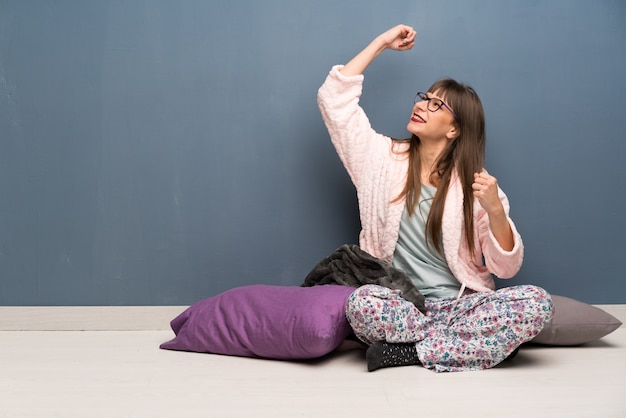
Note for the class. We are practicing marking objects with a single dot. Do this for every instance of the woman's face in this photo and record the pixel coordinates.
(432, 125)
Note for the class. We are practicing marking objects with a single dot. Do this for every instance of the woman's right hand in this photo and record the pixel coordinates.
(398, 38)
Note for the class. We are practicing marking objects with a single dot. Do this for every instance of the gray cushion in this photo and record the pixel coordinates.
(576, 323)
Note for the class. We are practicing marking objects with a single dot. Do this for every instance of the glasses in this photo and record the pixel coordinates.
(432, 104)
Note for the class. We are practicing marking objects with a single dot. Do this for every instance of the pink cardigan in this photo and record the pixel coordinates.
(378, 170)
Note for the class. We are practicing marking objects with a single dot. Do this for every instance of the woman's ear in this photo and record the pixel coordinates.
(454, 132)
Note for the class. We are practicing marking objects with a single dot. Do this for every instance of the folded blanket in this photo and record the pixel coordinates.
(351, 266)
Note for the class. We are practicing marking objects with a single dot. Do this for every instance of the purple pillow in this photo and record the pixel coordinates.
(277, 322)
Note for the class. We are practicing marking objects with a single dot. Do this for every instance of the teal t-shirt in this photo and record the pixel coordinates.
(427, 268)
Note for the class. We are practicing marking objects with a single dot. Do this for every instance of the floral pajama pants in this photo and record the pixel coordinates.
(475, 332)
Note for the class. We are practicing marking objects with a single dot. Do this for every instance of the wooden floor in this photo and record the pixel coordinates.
(124, 374)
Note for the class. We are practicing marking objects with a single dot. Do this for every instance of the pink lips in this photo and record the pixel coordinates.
(417, 118)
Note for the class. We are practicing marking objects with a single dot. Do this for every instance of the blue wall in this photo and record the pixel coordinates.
(159, 152)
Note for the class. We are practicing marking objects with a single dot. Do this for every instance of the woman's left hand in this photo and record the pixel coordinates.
(485, 189)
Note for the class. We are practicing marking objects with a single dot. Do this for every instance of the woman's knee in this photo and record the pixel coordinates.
(377, 313)
(539, 301)
(532, 308)
(535, 297)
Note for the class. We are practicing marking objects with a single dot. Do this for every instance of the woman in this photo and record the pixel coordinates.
(428, 207)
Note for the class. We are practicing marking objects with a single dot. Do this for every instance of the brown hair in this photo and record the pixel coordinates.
(465, 153)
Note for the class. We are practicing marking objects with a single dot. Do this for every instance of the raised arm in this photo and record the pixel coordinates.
(398, 38)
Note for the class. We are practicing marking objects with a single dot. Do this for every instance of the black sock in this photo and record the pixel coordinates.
(382, 354)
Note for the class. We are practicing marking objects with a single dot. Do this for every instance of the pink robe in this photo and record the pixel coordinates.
(378, 170)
